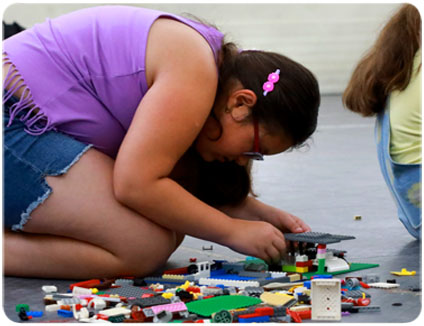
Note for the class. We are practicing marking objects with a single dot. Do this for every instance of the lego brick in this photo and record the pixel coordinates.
(254, 274)
(253, 290)
(304, 263)
(282, 279)
(234, 267)
(275, 299)
(289, 268)
(116, 311)
(382, 285)
(129, 291)
(177, 271)
(172, 307)
(148, 302)
(153, 279)
(355, 294)
(317, 237)
(295, 277)
(86, 284)
(326, 299)
(239, 284)
(302, 269)
(124, 282)
(207, 307)
(254, 319)
(223, 316)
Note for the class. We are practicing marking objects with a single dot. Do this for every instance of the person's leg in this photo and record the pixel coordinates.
(82, 231)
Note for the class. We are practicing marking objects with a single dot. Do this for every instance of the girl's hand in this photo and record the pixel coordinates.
(285, 221)
(256, 238)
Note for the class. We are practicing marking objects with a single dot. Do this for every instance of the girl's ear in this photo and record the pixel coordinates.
(240, 103)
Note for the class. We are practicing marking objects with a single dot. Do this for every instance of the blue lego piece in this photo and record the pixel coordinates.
(65, 313)
(35, 313)
(323, 276)
(217, 273)
(258, 319)
(307, 284)
(234, 277)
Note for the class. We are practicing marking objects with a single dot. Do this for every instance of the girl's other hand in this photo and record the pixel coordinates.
(256, 238)
(285, 221)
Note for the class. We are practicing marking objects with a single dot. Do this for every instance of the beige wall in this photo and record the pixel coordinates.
(327, 38)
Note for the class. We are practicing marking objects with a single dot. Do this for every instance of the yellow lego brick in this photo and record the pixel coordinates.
(294, 277)
(302, 269)
(275, 299)
(173, 277)
(167, 295)
(404, 272)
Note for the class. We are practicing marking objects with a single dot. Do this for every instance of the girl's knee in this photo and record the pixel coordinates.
(141, 259)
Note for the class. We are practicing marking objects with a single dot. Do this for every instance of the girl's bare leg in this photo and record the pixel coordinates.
(82, 231)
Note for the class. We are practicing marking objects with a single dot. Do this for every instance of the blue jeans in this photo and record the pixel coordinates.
(27, 160)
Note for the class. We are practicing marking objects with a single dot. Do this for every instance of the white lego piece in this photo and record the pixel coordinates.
(301, 258)
(239, 284)
(77, 290)
(204, 270)
(49, 288)
(81, 314)
(97, 303)
(277, 274)
(382, 285)
(326, 299)
(52, 307)
(335, 264)
(116, 312)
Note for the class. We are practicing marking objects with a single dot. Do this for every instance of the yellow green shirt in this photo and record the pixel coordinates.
(405, 119)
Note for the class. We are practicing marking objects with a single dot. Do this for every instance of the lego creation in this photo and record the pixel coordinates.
(308, 254)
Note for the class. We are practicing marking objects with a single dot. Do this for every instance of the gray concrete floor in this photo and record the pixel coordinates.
(327, 184)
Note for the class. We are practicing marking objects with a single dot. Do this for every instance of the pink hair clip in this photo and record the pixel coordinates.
(273, 77)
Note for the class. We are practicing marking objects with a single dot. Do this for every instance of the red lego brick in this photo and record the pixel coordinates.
(86, 284)
(265, 311)
(177, 271)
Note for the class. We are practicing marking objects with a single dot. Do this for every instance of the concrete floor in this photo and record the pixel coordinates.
(337, 178)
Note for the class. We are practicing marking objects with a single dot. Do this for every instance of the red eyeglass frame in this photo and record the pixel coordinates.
(256, 154)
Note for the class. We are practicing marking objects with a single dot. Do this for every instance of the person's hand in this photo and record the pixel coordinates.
(256, 238)
(285, 221)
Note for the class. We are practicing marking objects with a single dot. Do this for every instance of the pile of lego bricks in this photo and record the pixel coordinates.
(220, 292)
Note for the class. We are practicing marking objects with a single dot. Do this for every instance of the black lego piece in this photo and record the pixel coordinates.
(317, 237)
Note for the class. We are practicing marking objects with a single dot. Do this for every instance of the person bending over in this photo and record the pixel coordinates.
(127, 128)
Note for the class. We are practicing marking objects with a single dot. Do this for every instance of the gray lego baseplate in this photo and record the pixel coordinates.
(317, 237)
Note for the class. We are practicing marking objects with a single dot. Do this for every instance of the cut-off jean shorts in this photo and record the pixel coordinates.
(27, 160)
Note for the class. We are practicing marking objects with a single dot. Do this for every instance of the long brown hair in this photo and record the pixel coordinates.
(387, 66)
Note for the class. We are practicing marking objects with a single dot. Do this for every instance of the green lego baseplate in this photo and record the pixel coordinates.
(209, 306)
(353, 268)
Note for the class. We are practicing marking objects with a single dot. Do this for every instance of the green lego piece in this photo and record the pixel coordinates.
(22, 305)
(289, 268)
(353, 267)
(223, 316)
(209, 306)
(321, 266)
(116, 319)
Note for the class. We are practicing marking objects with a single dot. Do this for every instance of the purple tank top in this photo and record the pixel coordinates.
(86, 71)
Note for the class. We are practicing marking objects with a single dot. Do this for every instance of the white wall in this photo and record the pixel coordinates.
(329, 39)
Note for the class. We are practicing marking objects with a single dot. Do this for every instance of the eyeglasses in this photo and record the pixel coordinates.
(256, 154)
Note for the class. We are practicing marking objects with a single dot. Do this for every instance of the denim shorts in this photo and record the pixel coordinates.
(27, 160)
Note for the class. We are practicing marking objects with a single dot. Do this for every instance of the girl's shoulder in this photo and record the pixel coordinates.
(173, 43)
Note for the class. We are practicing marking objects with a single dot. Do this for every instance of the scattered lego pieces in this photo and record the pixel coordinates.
(225, 292)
